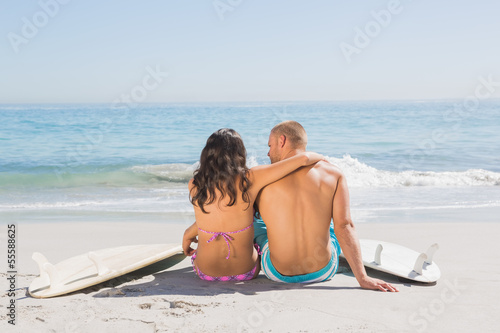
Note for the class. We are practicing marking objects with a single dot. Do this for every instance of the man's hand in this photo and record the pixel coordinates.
(313, 157)
(376, 284)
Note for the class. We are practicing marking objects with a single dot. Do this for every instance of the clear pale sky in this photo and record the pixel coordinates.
(262, 50)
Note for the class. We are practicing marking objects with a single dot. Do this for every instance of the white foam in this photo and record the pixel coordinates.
(48, 205)
(158, 204)
(361, 175)
(431, 207)
(252, 162)
(172, 172)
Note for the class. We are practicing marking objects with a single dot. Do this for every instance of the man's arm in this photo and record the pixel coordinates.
(348, 239)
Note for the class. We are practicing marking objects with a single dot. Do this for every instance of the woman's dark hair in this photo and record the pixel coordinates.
(222, 163)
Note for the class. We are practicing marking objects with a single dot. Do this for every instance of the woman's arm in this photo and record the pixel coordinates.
(263, 175)
(190, 236)
(191, 233)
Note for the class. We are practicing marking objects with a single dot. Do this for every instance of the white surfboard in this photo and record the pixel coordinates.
(95, 267)
(400, 261)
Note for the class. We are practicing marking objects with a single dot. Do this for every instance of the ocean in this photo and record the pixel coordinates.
(405, 161)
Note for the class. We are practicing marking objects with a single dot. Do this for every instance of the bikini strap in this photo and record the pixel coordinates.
(225, 235)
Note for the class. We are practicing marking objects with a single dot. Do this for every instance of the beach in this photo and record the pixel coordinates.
(174, 299)
(105, 109)
(80, 178)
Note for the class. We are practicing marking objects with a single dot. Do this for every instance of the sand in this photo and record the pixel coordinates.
(173, 299)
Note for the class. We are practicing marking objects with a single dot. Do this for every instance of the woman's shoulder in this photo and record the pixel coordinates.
(191, 186)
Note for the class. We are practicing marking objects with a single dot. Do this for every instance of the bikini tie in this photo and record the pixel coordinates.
(225, 235)
(226, 238)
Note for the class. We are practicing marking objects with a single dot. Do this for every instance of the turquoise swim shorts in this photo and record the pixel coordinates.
(267, 267)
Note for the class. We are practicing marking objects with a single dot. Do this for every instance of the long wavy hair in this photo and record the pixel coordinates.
(222, 165)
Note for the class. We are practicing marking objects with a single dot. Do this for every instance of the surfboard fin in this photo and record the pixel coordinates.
(378, 253)
(53, 274)
(99, 264)
(40, 261)
(419, 263)
(430, 252)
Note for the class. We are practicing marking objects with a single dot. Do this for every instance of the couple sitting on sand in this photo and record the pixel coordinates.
(297, 196)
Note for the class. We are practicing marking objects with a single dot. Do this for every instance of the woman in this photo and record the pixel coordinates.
(223, 191)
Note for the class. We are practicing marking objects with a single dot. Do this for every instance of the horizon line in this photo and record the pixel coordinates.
(250, 101)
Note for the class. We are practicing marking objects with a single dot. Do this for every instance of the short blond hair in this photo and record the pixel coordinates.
(293, 131)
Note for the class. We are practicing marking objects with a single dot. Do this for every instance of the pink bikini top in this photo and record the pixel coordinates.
(225, 235)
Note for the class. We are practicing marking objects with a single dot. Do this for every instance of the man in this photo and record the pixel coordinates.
(300, 245)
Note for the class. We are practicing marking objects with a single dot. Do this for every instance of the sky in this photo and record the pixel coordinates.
(70, 51)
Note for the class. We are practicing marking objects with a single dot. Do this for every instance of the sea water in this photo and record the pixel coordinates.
(405, 161)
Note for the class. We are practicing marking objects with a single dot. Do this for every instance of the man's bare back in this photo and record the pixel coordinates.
(297, 210)
(298, 244)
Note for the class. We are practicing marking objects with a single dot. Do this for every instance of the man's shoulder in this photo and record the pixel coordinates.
(328, 169)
